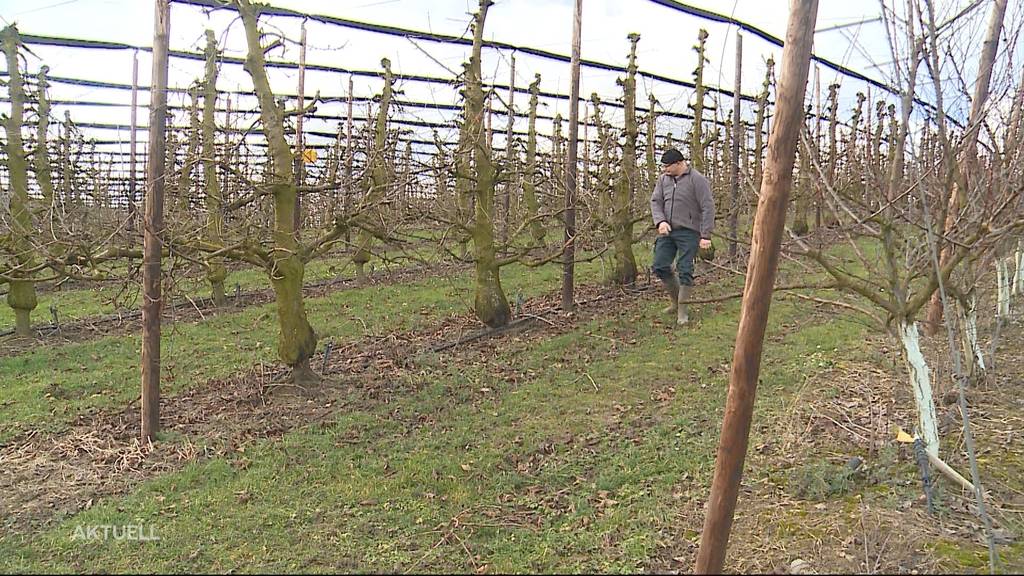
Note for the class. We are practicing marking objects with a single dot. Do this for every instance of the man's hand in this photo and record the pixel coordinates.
(664, 229)
(705, 243)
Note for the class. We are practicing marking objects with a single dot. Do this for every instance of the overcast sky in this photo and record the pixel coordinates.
(665, 48)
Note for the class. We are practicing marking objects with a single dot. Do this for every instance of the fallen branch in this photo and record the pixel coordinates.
(739, 294)
(950, 473)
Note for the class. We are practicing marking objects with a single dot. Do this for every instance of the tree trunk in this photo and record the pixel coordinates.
(831, 218)
(1019, 283)
(972, 348)
(802, 199)
(21, 296)
(652, 124)
(297, 340)
(920, 382)
(625, 269)
(42, 155)
(530, 181)
(697, 130)
(490, 303)
(958, 196)
(215, 271)
(1004, 288)
(760, 125)
(191, 155)
(380, 177)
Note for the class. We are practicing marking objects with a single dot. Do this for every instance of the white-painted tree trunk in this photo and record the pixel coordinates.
(1019, 277)
(971, 347)
(920, 381)
(1003, 281)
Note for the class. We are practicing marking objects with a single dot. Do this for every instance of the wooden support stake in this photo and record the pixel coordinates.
(300, 168)
(349, 157)
(154, 224)
(816, 153)
(585, 177)
(509, 150)
(569, 254)
(133, 206)
(736, 132)
(769, 223)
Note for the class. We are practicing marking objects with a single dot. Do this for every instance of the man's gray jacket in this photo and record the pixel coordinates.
(684, 202)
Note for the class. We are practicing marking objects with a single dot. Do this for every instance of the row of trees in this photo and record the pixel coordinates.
(856, 176)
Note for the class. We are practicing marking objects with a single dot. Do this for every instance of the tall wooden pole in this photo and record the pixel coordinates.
(569, 255)
(509, 150)
(736, 132)
(133, 206)
(225, 190)
(761, 269)
(349, 157)
(154, 224)
(585, 178)
(299, 158)
(490, 121)
(816, 152)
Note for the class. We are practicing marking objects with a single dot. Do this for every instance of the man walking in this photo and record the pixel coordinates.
(684, 214)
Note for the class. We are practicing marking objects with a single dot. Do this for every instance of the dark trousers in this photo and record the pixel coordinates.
(681, 244)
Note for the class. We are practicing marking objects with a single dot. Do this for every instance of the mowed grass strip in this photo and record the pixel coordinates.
(106, 298)
(48, 388)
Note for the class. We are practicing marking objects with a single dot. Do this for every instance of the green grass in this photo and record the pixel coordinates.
(47, 388)
(569, 453)
(550, 473)
(99, 300)
(102, 299)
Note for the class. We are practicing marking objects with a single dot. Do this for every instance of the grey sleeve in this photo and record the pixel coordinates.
(658, 204)
(707, 208)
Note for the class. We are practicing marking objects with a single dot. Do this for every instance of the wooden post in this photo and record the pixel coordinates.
(349, 156)
(509, 151)
(761, 269)
(652, 174)
(490, 121)
(568, 255)
(816, 153)
(225, 190)
(300, 171)
(736, 132)
(133, 207)
(585, 177)
(154, 224)
(868, 135)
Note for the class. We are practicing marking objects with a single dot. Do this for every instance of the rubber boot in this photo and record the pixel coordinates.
(672, 288)
(682, 315)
